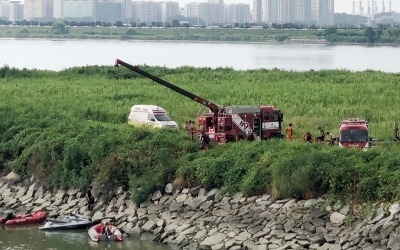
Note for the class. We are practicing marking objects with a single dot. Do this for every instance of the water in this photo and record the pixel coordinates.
(60, 54)
(31, 238)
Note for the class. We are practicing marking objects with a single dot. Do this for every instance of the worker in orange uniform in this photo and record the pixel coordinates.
(289, 132)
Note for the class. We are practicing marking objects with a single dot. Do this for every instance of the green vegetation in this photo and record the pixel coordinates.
(244, 35)
(330, 34)
(69, 129)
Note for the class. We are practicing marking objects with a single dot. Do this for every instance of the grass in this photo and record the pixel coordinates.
(69, 129)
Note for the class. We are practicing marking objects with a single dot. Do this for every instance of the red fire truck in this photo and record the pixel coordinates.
(353, 133)
(229, 123)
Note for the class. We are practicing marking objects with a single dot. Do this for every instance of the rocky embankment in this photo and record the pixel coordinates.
(195, 219)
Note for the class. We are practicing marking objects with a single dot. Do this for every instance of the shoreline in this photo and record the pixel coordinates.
(193, 218)
(296, 41)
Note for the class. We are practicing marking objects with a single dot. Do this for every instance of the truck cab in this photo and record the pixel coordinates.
(353, 133)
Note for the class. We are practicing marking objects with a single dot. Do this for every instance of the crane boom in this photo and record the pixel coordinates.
(213, 107)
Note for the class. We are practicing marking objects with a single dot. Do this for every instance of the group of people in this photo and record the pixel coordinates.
(308, 137)
(106, 227)
(190, 126)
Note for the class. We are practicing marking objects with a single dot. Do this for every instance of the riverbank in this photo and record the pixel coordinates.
(199, 219)
(275, 36)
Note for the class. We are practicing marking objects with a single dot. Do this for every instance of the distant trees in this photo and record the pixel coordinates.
(370, 34)
(59, 29)
(394, 32)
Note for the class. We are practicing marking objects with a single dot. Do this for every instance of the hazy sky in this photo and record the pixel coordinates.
(347, 5)
(340, 5)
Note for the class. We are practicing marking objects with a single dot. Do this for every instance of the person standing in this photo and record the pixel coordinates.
(321, 137)
(396, 132)
(289, 132)
(331, 138)
(205, 141)
(89, 199)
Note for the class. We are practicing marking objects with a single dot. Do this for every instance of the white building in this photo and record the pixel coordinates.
(38, 9)
(77, 9)
(320, 12)
(16, 11)
(237, 13)
(146, 12)
(168, 10)
(58, 9)
(4, 10)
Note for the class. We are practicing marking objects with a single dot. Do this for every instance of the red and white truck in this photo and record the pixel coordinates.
(354, 133)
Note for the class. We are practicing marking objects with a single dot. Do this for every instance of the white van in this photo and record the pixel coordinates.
(152, 116)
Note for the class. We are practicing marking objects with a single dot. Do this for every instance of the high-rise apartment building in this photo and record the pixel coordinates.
(192, 10)
(318, 12)
(210, 13)
(38, 9)
(257, 11)
(108, 10)
(58, 9)
(168, 10)
(126, 9)
(146, 12)
(322, 12)
(16, 11)
(269, 10)
(4, 10)
(237, 13)
(79, 10)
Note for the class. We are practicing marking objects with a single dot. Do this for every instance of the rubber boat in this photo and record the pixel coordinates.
(74, 221)
(24, 219)
(97, 233)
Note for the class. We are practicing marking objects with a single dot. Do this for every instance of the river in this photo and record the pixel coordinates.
(31, 238)
(60, 54)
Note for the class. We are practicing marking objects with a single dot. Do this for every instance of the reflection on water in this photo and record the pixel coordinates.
(31, 238)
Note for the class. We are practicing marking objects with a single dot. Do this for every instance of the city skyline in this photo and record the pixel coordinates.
(341, 6)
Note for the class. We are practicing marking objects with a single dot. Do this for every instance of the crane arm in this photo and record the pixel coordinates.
(213, 107)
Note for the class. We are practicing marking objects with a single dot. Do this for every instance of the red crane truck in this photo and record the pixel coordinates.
(230, 123)
(353, 133)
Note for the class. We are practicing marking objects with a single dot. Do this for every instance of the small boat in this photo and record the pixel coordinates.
(24, 219)
(74, 221)
(99, 233)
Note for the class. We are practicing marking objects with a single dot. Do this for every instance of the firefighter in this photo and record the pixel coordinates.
(192, 129)
(396, 132)
(331, 138)
(321, 137)
(187, 125)
(308, 137)
(204, 141)
(289, 132)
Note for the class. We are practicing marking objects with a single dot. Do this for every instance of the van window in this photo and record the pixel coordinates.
(162, 118)
(150, 116)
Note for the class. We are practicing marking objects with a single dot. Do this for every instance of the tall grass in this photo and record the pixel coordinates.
(69, 129)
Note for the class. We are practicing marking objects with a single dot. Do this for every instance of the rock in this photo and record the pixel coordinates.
(148, 226)
(156, 196)
(337, 218)
(181, 198)
(97, 217)
(12, 177)
(169, 188)
(213, 240)
(212, 194)
(197, 202)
